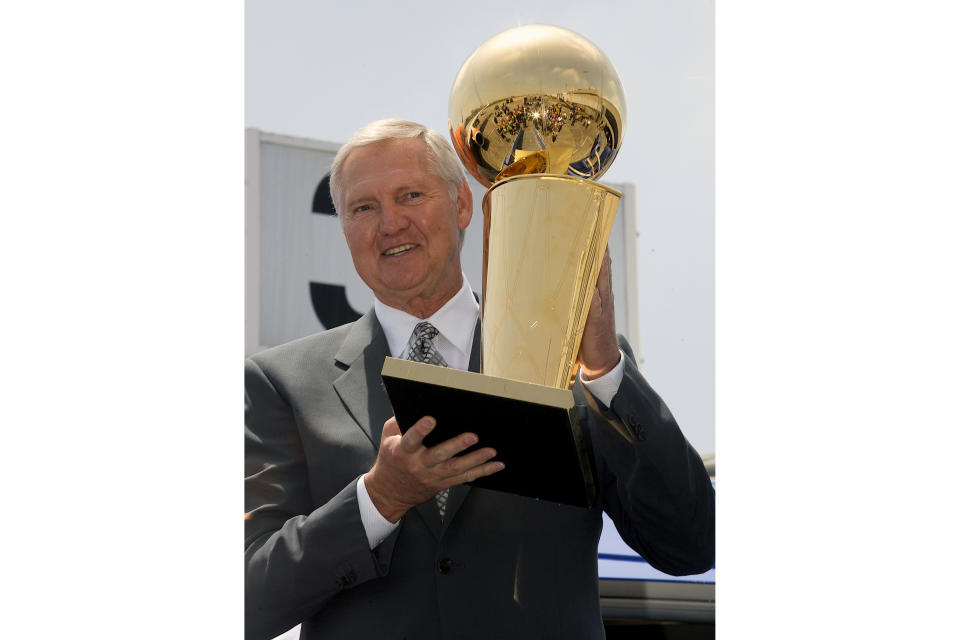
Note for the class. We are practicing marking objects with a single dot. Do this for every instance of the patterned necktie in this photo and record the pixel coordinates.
(421, 348)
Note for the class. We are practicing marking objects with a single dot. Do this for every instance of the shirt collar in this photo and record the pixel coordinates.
(455, 321)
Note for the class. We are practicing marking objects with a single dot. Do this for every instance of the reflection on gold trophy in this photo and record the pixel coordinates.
(536, 114)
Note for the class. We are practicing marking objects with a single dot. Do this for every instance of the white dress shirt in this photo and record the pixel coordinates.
(456, 321)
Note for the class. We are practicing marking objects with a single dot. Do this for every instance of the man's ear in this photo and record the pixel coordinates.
(464, 205)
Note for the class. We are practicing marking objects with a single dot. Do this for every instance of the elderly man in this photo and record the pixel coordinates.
(357, 531)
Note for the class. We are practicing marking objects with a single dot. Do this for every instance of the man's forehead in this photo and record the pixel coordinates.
(387, 164)
(399, 152)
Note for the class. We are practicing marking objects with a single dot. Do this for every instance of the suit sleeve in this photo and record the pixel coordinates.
(298, 555)
(653, 484)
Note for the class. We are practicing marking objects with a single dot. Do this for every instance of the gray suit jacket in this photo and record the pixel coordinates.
(498, 566)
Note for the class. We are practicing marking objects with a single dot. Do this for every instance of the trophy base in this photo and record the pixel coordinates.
(535, 429)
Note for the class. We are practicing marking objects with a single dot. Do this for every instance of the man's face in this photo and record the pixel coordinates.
(401, 225)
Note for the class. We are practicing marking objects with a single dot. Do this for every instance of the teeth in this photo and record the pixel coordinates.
(394, 251)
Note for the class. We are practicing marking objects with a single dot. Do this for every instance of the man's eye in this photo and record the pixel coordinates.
(361, 208)
(412, 195)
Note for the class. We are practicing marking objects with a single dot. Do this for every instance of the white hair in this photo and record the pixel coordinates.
(443, 159)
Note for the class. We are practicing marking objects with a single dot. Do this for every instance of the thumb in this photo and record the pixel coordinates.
(596, 302)
(390, 429)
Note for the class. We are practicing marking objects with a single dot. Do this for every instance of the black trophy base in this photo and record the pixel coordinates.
(534, 429)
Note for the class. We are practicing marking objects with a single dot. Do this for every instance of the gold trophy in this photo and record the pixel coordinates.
(536, 115)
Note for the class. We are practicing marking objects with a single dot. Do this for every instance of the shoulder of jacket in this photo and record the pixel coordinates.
(322, 346)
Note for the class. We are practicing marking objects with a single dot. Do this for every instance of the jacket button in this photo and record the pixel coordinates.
(634, 424)
(347, 579)
(445, 565)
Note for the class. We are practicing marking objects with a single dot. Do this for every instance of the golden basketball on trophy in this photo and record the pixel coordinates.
(536, 115)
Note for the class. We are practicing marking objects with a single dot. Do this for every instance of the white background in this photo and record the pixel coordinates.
(837, 346)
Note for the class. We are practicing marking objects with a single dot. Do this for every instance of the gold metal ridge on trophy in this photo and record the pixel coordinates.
(536, 114)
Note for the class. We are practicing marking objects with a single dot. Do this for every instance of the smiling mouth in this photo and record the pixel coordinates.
(395, 251)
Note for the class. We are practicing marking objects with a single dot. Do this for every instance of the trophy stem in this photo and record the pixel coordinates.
(543, 245)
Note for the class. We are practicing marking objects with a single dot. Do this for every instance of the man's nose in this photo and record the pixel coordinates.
(393, 219)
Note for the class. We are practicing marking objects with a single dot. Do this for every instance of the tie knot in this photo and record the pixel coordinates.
(422, 347)
(426, 331)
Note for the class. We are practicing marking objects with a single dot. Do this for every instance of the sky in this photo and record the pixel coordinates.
(321, 70)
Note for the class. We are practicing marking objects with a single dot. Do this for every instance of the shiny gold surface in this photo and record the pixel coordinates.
(544, 238)
(541, 95)
(538, 112)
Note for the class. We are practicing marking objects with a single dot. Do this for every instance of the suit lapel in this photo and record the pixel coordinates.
(475, 350)
(431, 515)
(360, 387)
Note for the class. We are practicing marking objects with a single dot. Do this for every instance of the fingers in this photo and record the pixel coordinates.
(440, 466)
(599, 351)
(477, 472)
(412, 440)
(448, 448)
(460, 464)
(605, 279)
(604, 288)
(601, 303)
(596, 306)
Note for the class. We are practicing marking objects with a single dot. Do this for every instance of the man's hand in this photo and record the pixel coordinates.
(599, 351)
(407, 473)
